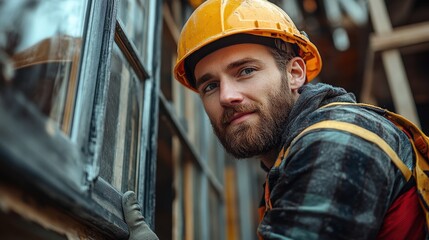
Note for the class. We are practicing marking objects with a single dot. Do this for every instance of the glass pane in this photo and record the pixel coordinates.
(44, 42)
(133, 14)
(122, 127)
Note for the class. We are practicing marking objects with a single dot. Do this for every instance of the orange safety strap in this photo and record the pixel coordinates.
(422, 181)
(420, 143)
(268, 204)
(263, 209)
(365, 134)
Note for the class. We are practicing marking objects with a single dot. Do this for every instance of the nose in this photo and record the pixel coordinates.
(230, 94)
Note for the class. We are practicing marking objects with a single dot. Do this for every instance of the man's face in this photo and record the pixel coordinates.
(246, 97)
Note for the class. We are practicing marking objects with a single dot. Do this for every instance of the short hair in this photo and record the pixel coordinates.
(283, 52)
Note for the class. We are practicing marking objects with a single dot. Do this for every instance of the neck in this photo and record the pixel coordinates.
(269, 158)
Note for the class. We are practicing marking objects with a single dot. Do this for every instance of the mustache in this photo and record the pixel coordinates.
(229, 112)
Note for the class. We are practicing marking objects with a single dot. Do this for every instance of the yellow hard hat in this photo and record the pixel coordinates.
(216, 23)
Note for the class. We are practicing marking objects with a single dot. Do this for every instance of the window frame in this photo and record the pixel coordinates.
(80, 192)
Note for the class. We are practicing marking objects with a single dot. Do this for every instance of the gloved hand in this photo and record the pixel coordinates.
(138, 228)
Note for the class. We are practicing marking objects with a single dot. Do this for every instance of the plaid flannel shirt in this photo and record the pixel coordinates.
(332, 184)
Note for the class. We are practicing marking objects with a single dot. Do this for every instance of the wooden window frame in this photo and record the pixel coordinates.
(63, 170)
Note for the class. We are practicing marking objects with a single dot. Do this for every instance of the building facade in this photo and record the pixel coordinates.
(89, 109)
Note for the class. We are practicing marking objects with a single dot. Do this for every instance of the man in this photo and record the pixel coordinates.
(250, 65)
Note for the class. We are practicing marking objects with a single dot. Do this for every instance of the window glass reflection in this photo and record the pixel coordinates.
(133, 14)
(122, 127)
(43, 40)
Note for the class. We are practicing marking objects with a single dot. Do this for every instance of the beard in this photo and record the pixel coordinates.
(251, 138)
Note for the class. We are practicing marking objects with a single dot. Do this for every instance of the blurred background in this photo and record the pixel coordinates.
(89, 109)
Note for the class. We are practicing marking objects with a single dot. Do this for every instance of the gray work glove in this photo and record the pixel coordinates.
(138, 228)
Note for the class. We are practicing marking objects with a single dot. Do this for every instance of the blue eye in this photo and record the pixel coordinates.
(210, 87)
(246, 71)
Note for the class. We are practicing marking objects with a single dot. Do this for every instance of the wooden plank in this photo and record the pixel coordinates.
(366, 94)
(380, 17)
(231, 200)
(175, 125)
(401, 37)
(19, 202)
(394, 67)
(399, 87)
(170, 23)
(189, 200)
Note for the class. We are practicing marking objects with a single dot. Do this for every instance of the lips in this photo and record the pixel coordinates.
(236, 116)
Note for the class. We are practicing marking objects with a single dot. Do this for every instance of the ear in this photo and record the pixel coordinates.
(296, 70)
